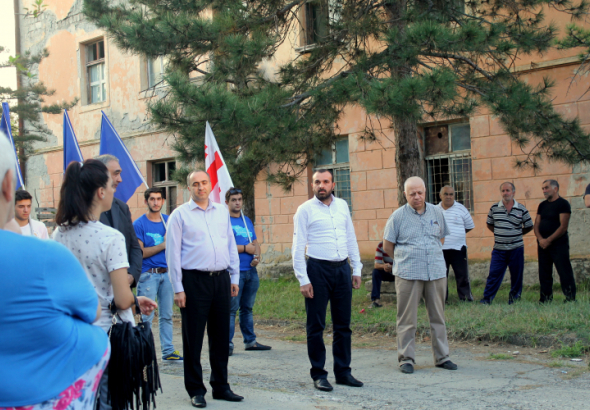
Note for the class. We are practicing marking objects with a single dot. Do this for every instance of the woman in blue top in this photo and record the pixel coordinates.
(51, 356)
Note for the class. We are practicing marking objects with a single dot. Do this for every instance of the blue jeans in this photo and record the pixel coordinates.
(249, 284)
(513, 260)
(158, 286)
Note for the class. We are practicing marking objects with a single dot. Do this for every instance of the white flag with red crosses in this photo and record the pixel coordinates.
(215, 165)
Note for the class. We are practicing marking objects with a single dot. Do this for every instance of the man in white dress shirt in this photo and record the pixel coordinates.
(200, 251)
(460, 222)
(22, 214)
(323, 224)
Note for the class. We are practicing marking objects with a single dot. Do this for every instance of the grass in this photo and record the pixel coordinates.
(500, 356)
(576, 350)
(524, 323)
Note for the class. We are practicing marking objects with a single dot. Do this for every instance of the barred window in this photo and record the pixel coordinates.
(336, 159)
(448, 162)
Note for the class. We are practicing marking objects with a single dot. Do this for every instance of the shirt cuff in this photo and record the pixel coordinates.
(178, 287)
(235, 279)
(304, 281)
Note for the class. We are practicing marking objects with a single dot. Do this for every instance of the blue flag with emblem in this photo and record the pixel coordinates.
(110, 143)
(71, 148)
(6, 129)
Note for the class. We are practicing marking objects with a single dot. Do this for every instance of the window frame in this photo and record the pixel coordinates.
(149, 68)
(100, 61)
(335, 166)
(167, 184)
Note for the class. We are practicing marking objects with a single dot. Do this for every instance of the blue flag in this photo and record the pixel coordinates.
(71, 148)
(6, 129)
(110, 143)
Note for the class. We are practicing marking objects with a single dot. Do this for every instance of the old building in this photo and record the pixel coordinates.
(474, 154)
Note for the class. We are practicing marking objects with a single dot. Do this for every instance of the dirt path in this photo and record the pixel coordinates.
(279, 379)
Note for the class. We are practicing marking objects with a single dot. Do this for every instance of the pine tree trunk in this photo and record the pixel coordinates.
(408, 160)
(248, 205)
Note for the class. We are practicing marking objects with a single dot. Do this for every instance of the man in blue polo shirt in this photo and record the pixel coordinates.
(154, 281)
(249, 253)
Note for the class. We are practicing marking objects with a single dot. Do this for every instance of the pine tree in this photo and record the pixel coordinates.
(405, 61)
(27, 105)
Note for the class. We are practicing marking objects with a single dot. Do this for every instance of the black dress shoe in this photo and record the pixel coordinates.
(323, 385)
(199, 401)
(448, 365)
(407, 368)
(348, 380)
(227, 395)
(258, 346)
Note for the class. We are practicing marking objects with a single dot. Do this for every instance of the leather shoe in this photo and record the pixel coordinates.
(407, 368)
(348, 380)
(323, 385)
(258, 346)
(448, 365)
(227, 395)
(199, 401)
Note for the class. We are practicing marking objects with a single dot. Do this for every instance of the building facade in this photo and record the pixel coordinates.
(473, 154)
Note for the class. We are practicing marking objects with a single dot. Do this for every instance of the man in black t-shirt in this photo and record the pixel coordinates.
(551, 224)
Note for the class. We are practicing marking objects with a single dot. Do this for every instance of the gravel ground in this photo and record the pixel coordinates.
(279, 379)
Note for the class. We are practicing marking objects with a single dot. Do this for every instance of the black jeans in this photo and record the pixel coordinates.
(331, 283)
(458, 260)
(207, 304)
(380, 276)
(558, 255)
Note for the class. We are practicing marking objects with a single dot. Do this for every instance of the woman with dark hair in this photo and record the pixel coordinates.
(86, 192)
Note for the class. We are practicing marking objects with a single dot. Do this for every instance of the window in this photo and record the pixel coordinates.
(155, 71)
(336, 159)
(448, 162)
(317, 17)
(96, 78)
(162, 178)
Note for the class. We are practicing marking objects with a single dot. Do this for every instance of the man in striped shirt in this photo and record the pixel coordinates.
(381, 273)
(509, 221)
(460, 222)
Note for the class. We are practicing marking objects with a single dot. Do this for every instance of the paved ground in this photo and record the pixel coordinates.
(279, 379)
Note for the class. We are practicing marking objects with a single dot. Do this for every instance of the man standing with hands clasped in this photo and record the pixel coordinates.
(323, 224)
(249, 251)
(414, 234)
(200, 251)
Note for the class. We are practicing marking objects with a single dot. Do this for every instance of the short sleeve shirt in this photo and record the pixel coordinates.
(151, 234)
(100, 250)
(241, 234)
(508, 225)
(550, 218)
(458, 219)
(418, 251)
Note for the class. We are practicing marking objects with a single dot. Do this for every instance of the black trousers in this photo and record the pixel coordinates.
(380, 276)
(558, 255)
(207, 304)
(458, 260)
(331, 281)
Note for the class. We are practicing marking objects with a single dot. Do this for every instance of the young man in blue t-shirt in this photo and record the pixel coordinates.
(249, 253)
(154, 281)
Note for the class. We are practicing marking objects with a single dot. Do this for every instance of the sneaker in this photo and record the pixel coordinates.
(173, 357)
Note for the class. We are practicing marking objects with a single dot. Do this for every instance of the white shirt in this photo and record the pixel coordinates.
(458, 219)
(100, 250)
(200, 239)
(328, 232)
(35, 228)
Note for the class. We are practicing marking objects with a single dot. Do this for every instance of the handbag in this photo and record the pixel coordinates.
(133, 368)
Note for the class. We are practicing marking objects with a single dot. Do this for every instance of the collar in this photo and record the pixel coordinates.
(321, 203)
(193, 205)
(501, 204)
(441, 207)
(413, 211)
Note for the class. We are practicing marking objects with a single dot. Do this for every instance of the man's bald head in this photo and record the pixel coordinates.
(415, 192)
(414, 182)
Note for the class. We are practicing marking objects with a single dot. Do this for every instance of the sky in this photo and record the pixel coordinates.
(7, 75)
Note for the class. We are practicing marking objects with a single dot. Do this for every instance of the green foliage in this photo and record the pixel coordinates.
(576, 350)
(231, 62)
(500, 356)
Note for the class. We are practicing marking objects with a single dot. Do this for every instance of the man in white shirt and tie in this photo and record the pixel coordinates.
(200, 251)
(324, 225)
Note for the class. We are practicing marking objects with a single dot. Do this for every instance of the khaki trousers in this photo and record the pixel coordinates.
(409, 293)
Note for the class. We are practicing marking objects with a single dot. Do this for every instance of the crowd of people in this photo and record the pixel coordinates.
(203, 258)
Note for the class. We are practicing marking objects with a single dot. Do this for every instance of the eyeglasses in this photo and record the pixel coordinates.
(235, 191)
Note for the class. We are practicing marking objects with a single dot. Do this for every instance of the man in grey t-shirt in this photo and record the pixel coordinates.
(413, 235)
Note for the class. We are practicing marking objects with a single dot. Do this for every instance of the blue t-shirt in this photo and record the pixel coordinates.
(151, 234)
(47, 306)
(241, 235)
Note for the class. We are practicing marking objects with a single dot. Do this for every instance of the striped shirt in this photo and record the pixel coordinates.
(459, 219)
(418, 252)
(508, 226)
(381, 256)
(328, 233)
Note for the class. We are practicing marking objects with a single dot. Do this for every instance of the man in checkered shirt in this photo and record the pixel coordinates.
(414, 235)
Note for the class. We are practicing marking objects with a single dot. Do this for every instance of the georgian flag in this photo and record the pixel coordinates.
(215, 165)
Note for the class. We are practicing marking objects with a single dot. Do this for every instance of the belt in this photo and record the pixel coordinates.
(157, 270)
(203, 272)
(329, 263)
